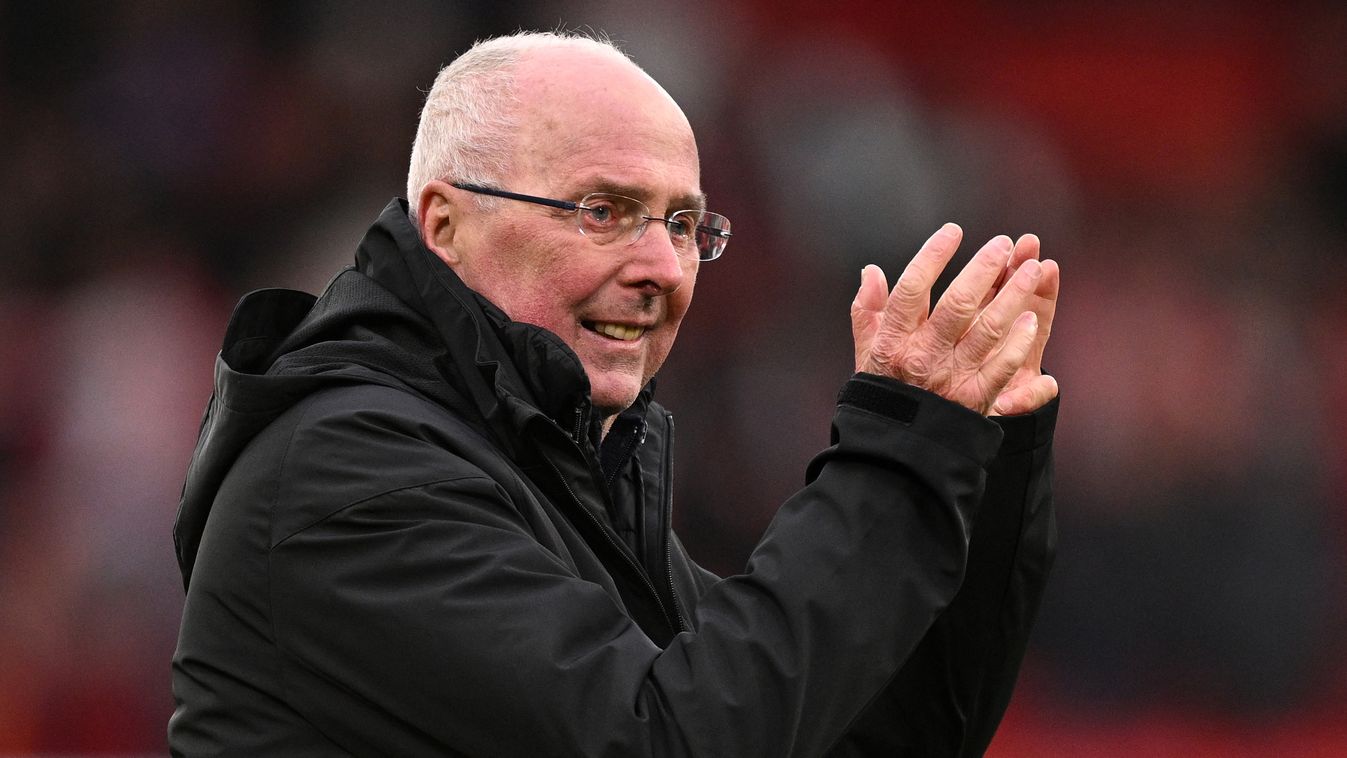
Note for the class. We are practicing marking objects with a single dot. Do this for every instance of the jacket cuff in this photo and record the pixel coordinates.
(925, 413)
(1029, 430)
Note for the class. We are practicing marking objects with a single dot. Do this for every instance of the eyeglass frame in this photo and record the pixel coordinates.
(571, 205)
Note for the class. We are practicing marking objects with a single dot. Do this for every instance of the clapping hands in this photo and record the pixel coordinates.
(982, 345)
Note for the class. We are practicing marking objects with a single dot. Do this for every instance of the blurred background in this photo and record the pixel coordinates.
(1186, 163)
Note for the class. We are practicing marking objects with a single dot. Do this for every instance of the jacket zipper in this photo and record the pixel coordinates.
(620, 549)
(635, 441)
(579, 425)
(667, 531)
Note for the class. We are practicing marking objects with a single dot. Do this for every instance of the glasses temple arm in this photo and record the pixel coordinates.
(479, 189)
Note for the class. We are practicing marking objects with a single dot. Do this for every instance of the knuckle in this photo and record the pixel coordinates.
(908, 289)
(918, 368)
(883, 355)
(990, 332)
(961, 301)
(860, 317)
(992, 260)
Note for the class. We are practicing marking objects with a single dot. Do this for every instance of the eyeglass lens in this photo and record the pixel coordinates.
(608, 218)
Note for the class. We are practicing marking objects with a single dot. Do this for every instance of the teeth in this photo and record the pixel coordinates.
(619, 331)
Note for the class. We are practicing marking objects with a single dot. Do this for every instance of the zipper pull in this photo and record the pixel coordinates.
(579, 425)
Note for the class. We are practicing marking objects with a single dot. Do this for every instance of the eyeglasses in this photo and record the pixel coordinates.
(607, 219)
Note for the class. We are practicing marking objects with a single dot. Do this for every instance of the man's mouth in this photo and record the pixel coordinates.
(616, 331)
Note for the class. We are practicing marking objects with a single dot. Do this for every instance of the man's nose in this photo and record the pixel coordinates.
(654, 262)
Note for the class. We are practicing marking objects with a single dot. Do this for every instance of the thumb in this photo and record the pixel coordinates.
(1027, 397)
(867, 310)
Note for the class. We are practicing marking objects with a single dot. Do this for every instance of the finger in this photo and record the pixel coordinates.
(874, 289)
(991, 326)
(1045, 305)
(959, 305)
(1045, 295)
(867, 310)
(1026, 398)
(1026, 248)
(1002, 365)
(910, 301)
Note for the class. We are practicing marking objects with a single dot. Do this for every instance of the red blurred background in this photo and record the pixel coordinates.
(1185, 164)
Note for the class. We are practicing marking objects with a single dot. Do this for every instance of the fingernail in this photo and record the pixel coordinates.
(1004, 242)
(1033, 267)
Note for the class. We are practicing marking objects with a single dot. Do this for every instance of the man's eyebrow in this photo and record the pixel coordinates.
(677, 203)
(697, 201)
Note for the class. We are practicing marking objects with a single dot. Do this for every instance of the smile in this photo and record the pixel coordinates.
(616, 331)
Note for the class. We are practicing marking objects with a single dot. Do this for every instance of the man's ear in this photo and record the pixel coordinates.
(438, 217)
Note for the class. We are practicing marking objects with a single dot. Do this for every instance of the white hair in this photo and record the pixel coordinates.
(469, 123)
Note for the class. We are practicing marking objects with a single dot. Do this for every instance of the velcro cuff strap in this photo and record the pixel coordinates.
(869, 395)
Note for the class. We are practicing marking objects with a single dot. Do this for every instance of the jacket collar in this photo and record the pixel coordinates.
(511, 371)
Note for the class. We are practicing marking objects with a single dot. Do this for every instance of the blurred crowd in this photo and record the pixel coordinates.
(1185, 163)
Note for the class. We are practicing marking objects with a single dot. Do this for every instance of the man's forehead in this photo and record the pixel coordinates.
(594, 122)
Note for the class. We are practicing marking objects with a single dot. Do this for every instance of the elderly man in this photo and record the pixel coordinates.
(429, 511)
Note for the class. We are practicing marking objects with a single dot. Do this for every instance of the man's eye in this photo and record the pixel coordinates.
(680, 227)
(600, 214)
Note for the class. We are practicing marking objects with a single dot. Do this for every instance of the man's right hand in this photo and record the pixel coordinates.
(963, 351)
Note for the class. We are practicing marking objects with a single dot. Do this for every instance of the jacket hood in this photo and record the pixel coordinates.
(400, 318)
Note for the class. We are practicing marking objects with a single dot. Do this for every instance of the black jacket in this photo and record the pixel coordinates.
(400, 536)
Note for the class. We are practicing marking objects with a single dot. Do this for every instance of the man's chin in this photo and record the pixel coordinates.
(611, 398)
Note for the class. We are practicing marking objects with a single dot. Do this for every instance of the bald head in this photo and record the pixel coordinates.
(480, 104)
(574, 106)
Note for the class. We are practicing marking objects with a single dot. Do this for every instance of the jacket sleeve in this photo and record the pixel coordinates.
(949, 697)
(429, 620)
